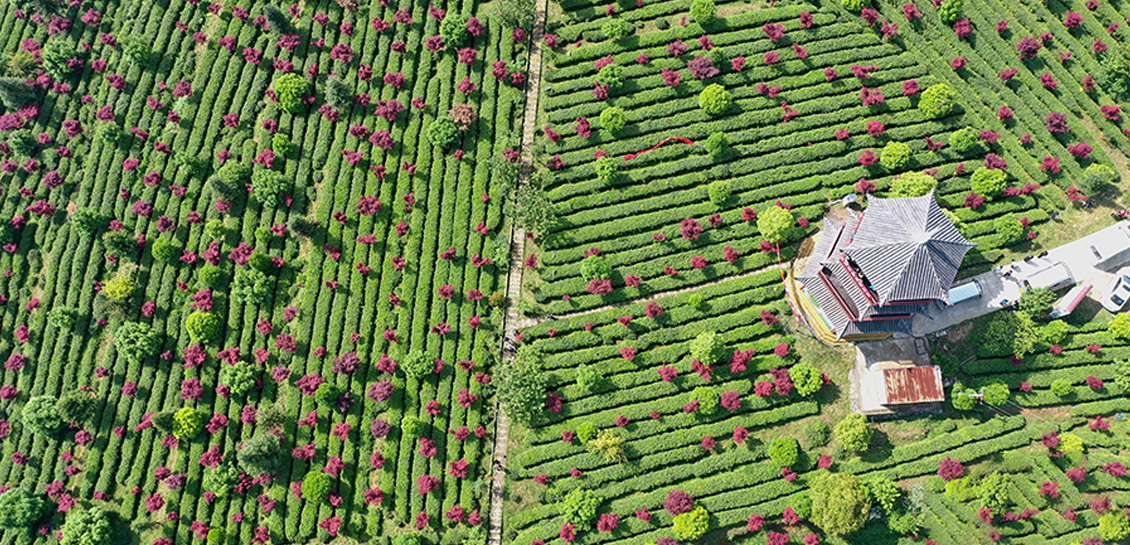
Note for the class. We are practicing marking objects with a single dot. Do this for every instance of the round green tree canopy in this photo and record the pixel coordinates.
(843, 503)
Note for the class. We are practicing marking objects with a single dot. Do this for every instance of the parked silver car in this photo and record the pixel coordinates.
(1117, 293)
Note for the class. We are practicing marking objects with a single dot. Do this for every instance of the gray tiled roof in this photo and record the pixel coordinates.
(908, 248)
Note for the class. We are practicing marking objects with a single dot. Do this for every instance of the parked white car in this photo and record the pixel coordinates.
(1117, 293)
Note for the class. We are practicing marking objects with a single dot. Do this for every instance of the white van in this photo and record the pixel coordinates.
(1112, 251)
(1053, 277)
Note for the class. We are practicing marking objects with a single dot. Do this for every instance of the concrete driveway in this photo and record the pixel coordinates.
(998, 289)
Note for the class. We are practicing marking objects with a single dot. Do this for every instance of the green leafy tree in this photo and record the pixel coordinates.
(993, 491)
(613, 119)
(165, 249)
(595, 266)
(442, 132)
(41, 415)
(1095, 177)
(1114, 526)
(611, 75)
(203, 326)
(235, 175)
(938, 100)
(588, 377)
(316, 487)
(239, 378)
(417, 364)
(19, 508)
(277, 22)
(260, 454)
(210, 275)
(1062, 387)
(587, 430)
(268, 185)
(271, 416)
(1008, 230)
(533, 210)
(411, 426)
(1007, 334)
(843, 503)
(119, 242)
(607, 170)
(453, 29)
(137, 48)
(56, 53)
(222, 480)
(408, 538)
(962, 398)
(714, 99)
(707, 398)
(88, 527)
(522, 384)
(1037, 302)
(708, 348)
(884, 492)
(15, 92)
(912, 184)
(717, 145)
(951, 10)
(23, 143)
(615, 28)
(988, 182)
(519, 13)
(250, 286)
(77, 405)
(1119, 326)
(327, 394)
(1114, 76)
(854, 432)
(806, 378)
(187, 423)
(895, 155)
(88, 221)
(719, 191)
(281, 143)
(965, 140)
(784, 451)
(119, 288)
(691, 525)
(290, 90)
(995, 393)
(109, 132)
(164, 422)
(855, 5)
(62, 318)
(775, 223)
(608, 445)
(1054, 332)
(579, 508)
(703, 12)
(136, 341)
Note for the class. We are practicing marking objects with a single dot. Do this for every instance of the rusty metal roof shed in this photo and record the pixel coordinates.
(906, 385)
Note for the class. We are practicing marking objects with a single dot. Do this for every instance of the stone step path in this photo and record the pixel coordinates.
(513, 321)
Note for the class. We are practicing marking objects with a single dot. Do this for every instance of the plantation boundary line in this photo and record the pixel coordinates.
(514, 275)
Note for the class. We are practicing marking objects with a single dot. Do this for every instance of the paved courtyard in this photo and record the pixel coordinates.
(1000, 291)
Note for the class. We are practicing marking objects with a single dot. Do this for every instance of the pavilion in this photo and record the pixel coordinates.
(869, 275)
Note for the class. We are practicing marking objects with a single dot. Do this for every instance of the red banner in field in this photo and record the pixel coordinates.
(665, 140)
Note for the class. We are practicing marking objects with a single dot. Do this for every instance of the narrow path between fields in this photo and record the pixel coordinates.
(514, 276)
